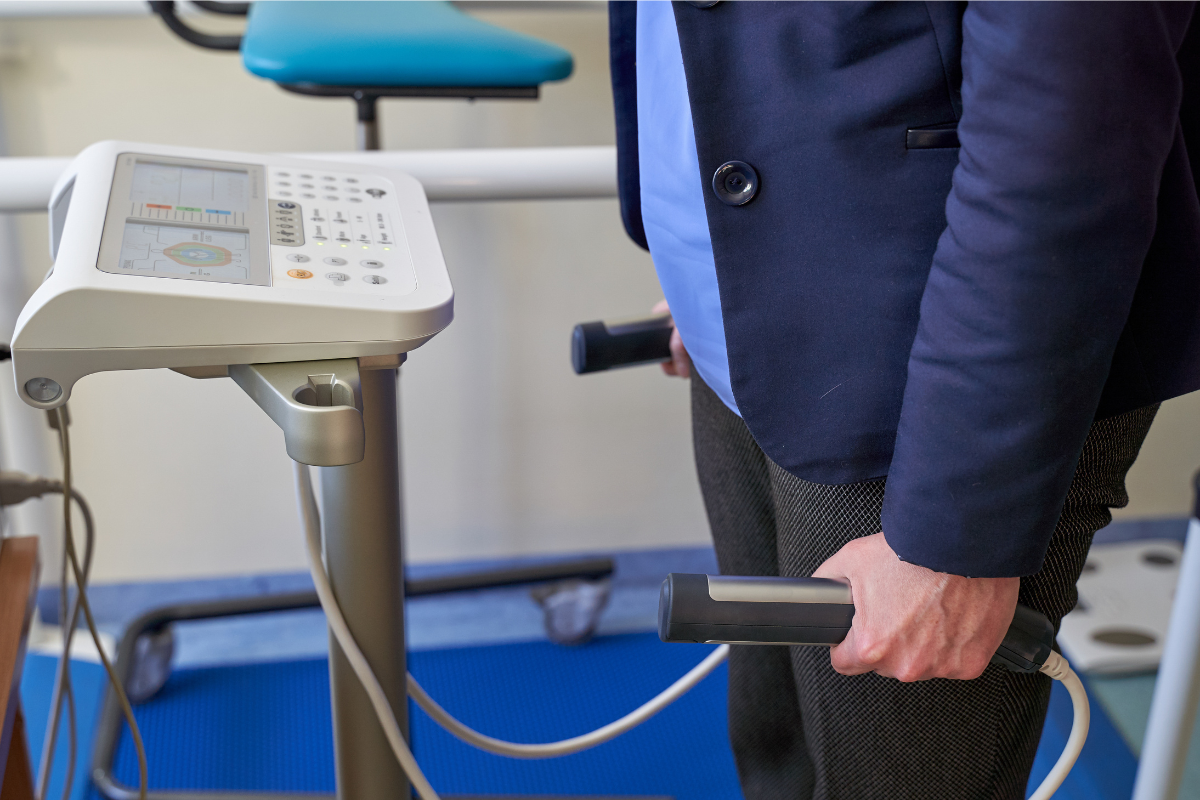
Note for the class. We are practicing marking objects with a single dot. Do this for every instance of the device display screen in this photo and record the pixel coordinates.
(188, 189)
(187, 218)
(175, 250)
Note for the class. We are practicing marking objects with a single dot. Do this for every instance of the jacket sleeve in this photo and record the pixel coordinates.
(1069, 114)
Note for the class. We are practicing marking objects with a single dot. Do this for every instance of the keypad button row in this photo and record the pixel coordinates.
(334, 261)
(308, 177)
(338, 278)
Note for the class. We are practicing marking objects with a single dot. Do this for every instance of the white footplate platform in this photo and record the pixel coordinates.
(1125, 596)
(191, 259)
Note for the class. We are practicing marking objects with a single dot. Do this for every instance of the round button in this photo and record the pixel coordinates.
(308, 196)
(43, 390)
(298, 258)
(372, 264)
(306, 186)
(353, 189)
(334, 261)
(331, 197)
(375, 279)
(735, 183)
(376, 193)
(302, 274)
(337, 277)
(285, 194)
(286, 205)
(284, 174)
(351, 180)
(329, 188)
(307, 177)
(283, 183)
(354, 199)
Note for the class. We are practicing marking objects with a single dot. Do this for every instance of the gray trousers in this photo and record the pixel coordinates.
(801, 731)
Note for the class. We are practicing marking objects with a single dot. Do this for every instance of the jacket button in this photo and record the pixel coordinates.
(702, 3)
(735, 183)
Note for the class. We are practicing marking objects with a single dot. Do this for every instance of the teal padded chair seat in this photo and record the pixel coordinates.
(392, 44)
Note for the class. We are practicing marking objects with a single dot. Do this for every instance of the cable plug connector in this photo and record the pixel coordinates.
(1056, 667)
(17, 487)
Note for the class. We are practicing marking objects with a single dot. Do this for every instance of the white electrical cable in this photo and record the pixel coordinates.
(1056, 667)
(307, 501)
(312, 528)
(577, 743)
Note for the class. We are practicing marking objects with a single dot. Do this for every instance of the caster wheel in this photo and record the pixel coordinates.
(152, 654)
(572, 608)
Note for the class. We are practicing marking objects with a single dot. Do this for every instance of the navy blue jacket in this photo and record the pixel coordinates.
(951, 311)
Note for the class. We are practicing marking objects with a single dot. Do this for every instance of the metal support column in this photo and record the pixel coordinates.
(362, 532)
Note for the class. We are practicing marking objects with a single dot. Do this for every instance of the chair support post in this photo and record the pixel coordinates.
(368, 122)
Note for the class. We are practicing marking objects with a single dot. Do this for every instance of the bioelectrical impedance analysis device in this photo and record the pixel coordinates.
(198, 259)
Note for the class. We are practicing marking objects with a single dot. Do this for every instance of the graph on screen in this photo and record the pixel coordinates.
(187, 188)
(183, 252)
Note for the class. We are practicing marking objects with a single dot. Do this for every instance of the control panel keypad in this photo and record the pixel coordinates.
(348, 224)
(287, 228)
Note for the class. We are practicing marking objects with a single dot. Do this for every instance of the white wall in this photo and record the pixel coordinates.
(1160, 483)
(506, 452)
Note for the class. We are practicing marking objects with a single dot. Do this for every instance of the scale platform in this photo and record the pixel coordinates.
(1125, 596)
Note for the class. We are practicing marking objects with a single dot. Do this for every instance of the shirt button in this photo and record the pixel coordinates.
(735, 183)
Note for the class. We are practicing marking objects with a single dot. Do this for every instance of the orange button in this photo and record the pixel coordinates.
(299, 273)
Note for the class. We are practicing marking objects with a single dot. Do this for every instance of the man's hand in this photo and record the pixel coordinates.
(680, 364)
(911, 623)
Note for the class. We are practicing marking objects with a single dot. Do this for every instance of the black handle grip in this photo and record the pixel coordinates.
(597, 346)
(693, 608)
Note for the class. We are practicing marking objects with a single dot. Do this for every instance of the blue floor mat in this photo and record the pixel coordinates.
(266, 726)
(37, 685)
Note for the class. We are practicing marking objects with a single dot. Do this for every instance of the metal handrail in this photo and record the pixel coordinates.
(483, 174)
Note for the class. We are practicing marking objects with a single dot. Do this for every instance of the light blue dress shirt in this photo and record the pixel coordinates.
(673, 197)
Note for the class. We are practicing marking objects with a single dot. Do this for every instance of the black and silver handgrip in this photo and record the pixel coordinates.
(737, 610)
(597, 346)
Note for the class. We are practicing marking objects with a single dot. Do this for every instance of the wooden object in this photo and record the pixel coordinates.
(18, 589)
